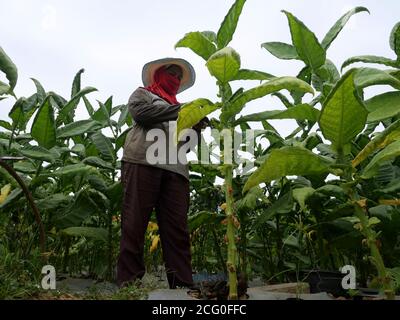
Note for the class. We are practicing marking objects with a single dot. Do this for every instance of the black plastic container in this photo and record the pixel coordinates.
(325, 281)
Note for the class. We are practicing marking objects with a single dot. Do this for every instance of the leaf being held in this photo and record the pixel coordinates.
(191, 113)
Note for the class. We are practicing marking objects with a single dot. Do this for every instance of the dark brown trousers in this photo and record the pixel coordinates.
(147, 188)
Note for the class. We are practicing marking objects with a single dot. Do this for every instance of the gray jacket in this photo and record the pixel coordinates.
(149, 111)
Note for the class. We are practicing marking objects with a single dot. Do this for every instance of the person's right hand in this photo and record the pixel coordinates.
(203, 123)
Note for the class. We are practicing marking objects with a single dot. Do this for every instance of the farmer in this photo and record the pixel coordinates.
(163, 186)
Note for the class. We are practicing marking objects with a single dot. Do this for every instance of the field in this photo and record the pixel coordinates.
(322, 198)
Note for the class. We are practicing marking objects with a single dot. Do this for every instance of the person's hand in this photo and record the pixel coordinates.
(204, 123)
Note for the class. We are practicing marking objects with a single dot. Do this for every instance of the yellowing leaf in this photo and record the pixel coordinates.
(362, 203)
(152, 226)
(4, 192)
(154, 243)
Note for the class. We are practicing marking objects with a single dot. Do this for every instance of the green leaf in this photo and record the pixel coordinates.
(306, 43)
(210, 35)
(343, 114)
(119, 143)
(383, 106)
(54, 201)
(76, 84)
(13, 196)
(338, 26)
(287, 161)
(41, 93)
(5, 125)
(371, 59)
(299, 112)
(389, 135)
(301, 195)
(99, 234)
(88, 106)
(390, 152)
(123, 115)
(245, 74)
(274, 85)
(281, 206)
(332, 191)
(38, 153)
(22, 111)
(25, 167)
(97, 162)
(97, 182)
(72, 169)
(77, 128)
(224, 64)
(105, 112)
(249, 201)
(4, 88)
(43, 126)
(305, 74)
(366, 77)
(281, 50)
(9, 68)
(395, 40)
(114, 192)
(81, 208)
(285, 101)
(228, 26)
(198, 43)
(104, 145)
(200, 219)
(73, 103)
(57, 101)
(325, 77)
(191, 113)
(79, 149)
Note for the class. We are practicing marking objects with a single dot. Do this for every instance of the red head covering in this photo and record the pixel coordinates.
(165, 85)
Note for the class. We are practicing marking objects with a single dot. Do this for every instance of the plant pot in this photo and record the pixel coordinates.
(325, 281)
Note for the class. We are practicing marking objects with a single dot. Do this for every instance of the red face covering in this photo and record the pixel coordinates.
(165, 85)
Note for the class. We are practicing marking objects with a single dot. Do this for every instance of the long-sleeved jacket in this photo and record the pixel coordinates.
(150, 112)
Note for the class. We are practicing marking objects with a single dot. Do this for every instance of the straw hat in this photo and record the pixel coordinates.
(188, 75)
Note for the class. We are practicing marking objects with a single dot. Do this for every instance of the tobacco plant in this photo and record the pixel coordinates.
(224, 64)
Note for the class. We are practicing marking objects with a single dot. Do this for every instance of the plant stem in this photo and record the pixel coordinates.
(230, 234)
(370, 235)
(42, 235)
(366, 228)
(218, 250)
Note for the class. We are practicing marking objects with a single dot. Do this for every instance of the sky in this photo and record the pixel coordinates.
(50, 40)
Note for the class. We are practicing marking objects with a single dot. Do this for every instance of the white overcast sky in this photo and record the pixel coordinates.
(51, 40)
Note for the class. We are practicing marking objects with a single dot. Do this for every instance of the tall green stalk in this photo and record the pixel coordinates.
(366, 229)
(370, 235)
(230, 234)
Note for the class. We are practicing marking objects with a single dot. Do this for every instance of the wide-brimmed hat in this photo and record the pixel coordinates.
(188, 73)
